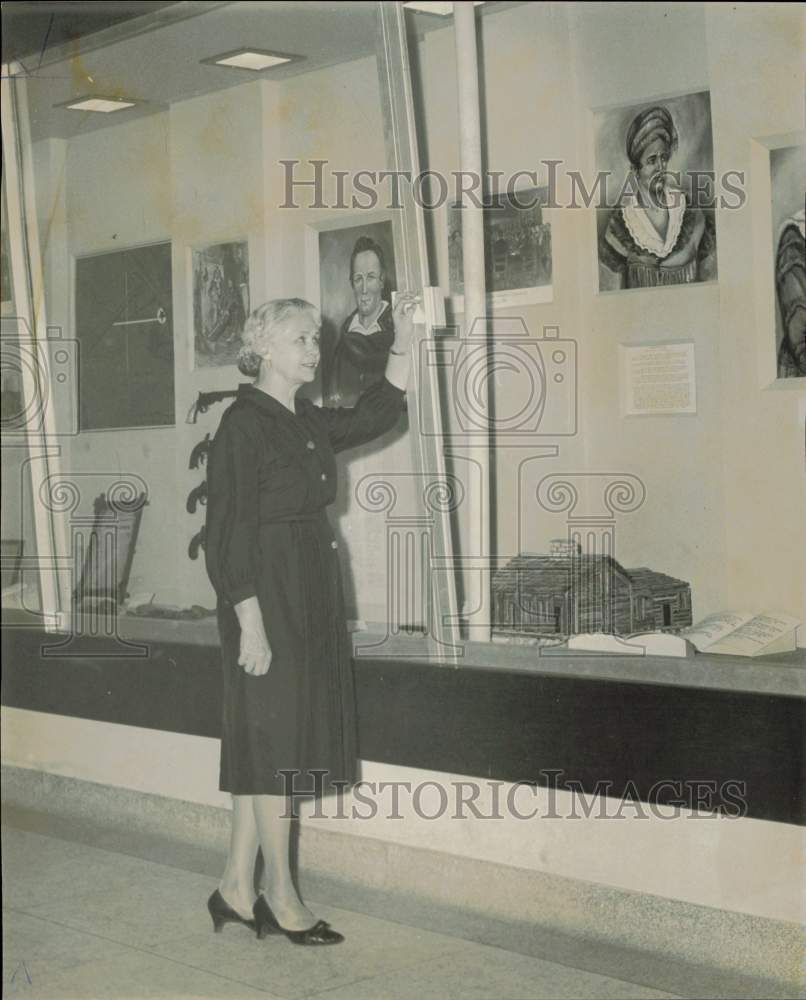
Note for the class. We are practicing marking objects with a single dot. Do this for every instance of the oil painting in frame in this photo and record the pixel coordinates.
(655, 218)
(220, 290)
(518, 250)
(349, 299)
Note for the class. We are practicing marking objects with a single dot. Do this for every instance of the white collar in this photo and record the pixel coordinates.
(641, 228)
(356, 326)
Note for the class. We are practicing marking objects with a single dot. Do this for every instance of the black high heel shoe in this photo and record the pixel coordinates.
(222, 913)
(266, 923)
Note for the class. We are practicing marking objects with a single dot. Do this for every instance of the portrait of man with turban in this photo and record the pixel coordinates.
(656, 235)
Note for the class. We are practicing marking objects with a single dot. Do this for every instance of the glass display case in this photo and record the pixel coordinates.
(575, 452)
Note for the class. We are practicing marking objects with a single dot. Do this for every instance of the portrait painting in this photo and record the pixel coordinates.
(788, 195)
(220, 302)
(356, 281)
(655, 210)
(517, 249)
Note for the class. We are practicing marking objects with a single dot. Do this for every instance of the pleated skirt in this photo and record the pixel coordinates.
(292, 730)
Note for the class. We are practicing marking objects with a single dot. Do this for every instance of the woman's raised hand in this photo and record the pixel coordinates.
(403, 317)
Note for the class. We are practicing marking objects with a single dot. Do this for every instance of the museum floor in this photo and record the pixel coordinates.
(87, 913)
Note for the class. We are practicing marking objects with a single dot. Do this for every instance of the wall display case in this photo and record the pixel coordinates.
(576, 454)
(213, 188)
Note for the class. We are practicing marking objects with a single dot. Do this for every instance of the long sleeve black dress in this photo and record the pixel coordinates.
(271, 473)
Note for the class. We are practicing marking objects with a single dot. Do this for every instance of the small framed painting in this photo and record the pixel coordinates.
(220, 302)
(517, 250)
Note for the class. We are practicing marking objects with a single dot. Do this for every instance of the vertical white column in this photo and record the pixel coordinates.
(477, 584)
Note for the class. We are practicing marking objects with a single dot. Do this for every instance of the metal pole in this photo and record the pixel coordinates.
(477, 584)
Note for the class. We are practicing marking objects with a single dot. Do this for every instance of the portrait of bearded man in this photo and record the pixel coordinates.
(657, 235)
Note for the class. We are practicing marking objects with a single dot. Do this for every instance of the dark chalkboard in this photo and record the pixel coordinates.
(124, 325)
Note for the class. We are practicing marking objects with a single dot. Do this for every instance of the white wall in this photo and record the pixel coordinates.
(726, 486)
(678, 530)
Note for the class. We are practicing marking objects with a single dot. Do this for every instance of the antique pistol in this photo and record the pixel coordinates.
(197, 496)
(205, 400)
(196, 543)
(199, 454)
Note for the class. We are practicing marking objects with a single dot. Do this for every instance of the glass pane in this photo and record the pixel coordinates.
(24, 396)
(162, 204)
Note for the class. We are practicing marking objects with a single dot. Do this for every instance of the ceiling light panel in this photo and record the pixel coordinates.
(104, 105)
(252, 59)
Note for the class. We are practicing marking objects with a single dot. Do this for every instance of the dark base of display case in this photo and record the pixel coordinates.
(738, 752)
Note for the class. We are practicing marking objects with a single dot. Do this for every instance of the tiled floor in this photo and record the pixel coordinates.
(81, 921)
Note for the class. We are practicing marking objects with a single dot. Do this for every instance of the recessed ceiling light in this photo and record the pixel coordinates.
(103, 104)
(436, 7)
(253, 59)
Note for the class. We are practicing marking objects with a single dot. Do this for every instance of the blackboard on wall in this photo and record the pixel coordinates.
(124, 325)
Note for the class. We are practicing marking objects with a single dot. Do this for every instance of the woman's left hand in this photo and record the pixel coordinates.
(403, 316)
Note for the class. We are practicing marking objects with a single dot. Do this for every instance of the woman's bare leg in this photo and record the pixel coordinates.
(236, 885)
(273, 819)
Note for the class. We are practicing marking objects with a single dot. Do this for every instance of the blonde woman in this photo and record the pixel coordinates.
(288, 699)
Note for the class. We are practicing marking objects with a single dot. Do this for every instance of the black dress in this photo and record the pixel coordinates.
(271, 473)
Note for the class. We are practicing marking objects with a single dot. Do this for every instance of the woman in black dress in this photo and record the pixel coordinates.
(288, 699)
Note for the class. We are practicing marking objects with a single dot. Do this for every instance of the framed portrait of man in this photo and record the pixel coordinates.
(656, 225)
(356, 280)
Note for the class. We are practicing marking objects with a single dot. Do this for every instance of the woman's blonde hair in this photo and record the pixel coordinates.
(261, 327)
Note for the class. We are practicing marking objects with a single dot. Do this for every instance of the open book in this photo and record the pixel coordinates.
(740, 633)
(736, 633)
